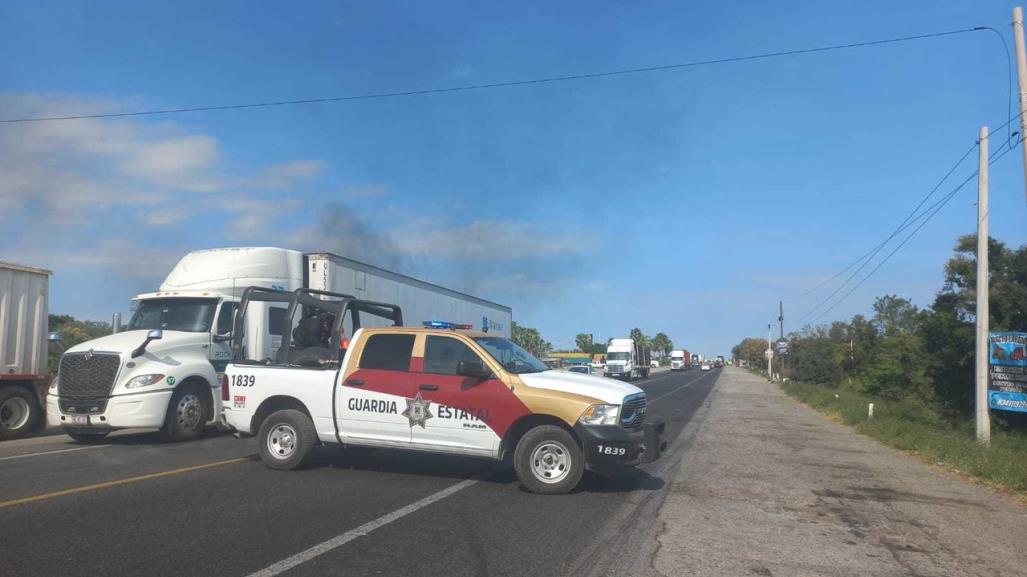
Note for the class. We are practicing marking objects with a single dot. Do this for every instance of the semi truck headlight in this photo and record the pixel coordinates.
(600, 415)
(143, 381)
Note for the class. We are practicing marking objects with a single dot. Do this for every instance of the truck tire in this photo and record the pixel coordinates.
(187, 416)
(287, 439)
(19, 410)
(549, 461)
(87, 436)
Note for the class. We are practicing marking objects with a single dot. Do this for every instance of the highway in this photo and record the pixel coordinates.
(135, 506)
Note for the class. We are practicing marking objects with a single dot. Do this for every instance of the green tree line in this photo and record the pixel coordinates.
(904, 352)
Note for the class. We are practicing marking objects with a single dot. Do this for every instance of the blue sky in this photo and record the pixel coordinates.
(687, 202)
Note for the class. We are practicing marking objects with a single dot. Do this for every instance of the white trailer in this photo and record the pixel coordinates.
(420, 301)
(23, 347)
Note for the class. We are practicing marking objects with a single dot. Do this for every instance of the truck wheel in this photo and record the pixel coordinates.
(187, 416)
(87, 436)
(287, 440)
(549, 461)
(19, 410)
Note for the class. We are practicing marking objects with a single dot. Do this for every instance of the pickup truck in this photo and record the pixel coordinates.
(432, 388)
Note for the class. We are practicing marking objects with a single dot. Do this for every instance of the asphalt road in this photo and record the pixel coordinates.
(134, 506)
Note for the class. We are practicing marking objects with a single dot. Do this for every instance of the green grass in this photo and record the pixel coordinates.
(918, 428)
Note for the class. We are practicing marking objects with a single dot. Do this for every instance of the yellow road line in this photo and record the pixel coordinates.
(117, 482)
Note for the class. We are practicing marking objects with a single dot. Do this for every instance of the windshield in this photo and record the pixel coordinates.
(174, 314)
(618, 356)
(512, 357)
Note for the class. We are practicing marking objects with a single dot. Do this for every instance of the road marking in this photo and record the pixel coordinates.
(117, 482)
(684, 386)
(51, 452)
(335, 542)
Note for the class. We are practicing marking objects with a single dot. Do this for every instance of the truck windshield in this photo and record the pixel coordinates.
(623, 356)
(512, 357)
(174, 314)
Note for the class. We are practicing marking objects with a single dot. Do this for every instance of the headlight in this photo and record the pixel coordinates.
(53, 386)
(143, 381)
(600, 415)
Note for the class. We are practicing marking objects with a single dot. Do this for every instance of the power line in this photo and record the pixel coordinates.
(906, 222)
(507, 84)
(938, 206)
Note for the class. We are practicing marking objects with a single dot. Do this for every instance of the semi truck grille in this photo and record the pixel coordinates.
(632, 412)
(87, 375)
(83, 406)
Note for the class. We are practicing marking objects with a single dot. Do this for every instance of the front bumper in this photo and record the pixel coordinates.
(138, 410)
(614, 446)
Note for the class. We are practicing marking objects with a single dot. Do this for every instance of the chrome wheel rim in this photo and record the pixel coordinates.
(550, 462)
(14, 413)
(189, 412)
(281, 441)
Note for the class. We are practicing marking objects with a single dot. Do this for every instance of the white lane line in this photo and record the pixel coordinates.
(335, 542)
(51, 452)
(684, 386)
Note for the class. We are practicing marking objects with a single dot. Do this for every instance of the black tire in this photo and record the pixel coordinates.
(19, 411)
(87, 436)
(287, 439)
(549, 442)
(188, 413)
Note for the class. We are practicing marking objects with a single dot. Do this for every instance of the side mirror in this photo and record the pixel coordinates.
(473, 369)
(54, 337)
(154, 335)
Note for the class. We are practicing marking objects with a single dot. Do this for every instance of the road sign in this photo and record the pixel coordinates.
(769, 353)
(782, 346)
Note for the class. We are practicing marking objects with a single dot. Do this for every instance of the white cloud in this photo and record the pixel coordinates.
(162, 215)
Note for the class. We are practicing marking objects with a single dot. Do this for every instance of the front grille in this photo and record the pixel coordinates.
(632, 412)
(83, 406)
(82, 378)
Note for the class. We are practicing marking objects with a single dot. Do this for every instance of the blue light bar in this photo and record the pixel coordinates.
(437, 324)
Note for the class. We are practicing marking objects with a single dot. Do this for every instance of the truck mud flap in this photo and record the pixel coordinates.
(654, 443)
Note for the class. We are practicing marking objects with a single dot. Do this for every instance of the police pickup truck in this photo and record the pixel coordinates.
(428, 388)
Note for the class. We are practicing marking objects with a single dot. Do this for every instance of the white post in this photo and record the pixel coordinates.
(981, 349)
(770, 356)
(1021, 76)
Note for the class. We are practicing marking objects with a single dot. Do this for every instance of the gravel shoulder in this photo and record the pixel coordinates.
(771, 487)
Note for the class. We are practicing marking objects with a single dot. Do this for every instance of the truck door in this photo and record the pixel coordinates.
(461, 408)
(220, 339)
(377, 390)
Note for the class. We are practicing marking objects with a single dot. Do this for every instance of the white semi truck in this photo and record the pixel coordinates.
(23, 348)
(678, 360)
(163, 370)
(626, 359)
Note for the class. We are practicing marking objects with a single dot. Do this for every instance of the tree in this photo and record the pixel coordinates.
(662, 344)
(584, 342)
(72, 332)
(530, 340)
(751, 350)
(893, 315)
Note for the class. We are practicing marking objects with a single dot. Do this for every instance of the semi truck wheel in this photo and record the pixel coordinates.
(287, 439)
(19, 410)
(549, 461)
(187, 416)
(87, 436)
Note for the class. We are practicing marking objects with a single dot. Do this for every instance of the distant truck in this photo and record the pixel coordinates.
(719, 362)
(680, 360)
(626, 359)
(23, 348)
(163, 370)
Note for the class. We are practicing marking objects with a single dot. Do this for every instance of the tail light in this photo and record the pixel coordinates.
(224, 387)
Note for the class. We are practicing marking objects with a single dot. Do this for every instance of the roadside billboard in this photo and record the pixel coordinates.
(1007, 371)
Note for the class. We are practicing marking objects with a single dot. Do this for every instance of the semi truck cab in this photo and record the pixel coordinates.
(162, 372)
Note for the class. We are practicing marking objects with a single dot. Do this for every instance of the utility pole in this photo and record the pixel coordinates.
(1021, 78)
(770, 355)
(981, 367)
(781, 317)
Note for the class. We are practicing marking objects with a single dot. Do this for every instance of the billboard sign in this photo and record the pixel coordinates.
(1007, 372)
(782, 346)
